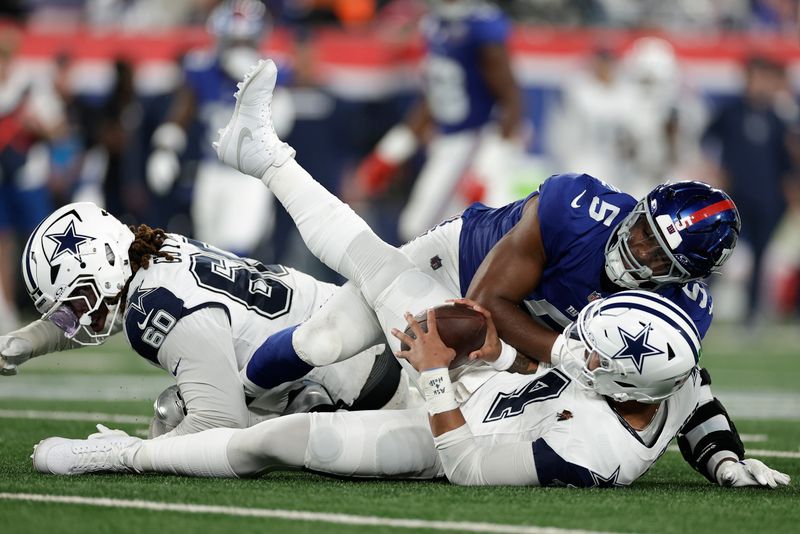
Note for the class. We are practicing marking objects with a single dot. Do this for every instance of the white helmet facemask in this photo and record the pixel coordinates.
(75, 265)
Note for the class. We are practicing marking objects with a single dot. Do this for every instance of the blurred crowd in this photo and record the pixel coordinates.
(140, 145)
(777, 16)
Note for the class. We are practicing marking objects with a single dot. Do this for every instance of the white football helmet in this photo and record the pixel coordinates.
(75, 261)
(633, 345)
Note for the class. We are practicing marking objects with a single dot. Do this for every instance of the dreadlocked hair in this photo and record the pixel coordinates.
(147, 243)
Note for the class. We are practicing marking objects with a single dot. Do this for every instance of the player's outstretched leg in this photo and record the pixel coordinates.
(393, 443)
(331, 230)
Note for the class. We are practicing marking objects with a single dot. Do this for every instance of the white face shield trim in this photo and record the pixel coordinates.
(78, 327)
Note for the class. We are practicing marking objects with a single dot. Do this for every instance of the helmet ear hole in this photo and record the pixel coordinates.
(110, 255)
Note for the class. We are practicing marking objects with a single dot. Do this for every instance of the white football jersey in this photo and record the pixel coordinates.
(259, 300)
(577, 438)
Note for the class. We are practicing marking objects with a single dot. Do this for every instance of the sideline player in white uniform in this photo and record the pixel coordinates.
(628, 363)
(198, 312)
(227, 209)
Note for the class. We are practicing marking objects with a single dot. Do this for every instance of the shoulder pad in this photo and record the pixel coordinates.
(151, 314)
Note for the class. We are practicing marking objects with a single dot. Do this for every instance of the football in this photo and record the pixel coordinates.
(460, 327)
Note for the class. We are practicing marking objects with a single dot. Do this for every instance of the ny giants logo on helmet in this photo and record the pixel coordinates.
(671, 228)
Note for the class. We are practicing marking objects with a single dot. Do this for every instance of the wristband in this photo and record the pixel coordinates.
(716, 460)
(438, 390)
(507, 356)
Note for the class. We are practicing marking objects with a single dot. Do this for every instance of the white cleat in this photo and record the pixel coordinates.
(248, 142)
(104, 451)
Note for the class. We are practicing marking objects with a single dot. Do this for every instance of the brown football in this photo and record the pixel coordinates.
(460, 327)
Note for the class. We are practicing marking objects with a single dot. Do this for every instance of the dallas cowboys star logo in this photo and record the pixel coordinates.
(69, 241)
(606, 482)
(135, 300)
(636, 347)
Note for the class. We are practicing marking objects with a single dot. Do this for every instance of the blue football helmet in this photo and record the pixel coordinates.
(677, 233)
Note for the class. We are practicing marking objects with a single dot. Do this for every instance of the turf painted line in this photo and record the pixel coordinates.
(752, 453)
(292, 515)
(93, 417)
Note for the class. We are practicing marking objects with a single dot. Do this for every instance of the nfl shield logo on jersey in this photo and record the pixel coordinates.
(594, 295)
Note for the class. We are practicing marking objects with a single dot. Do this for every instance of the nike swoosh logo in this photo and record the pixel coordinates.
(146, 320)
(575, 200)
(244, 133)
(175, 369)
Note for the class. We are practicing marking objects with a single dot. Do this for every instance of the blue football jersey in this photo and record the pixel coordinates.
(577, 214)
(455, 90)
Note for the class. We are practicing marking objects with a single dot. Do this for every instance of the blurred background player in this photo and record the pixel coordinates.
(591, 116)
(469, 118)
(31, 114)
(748, 143)
(663, 119)
(227, 208)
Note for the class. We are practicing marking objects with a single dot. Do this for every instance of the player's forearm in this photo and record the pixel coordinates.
(44, 338)
(520, 331)
(465, 461)
(446, 421)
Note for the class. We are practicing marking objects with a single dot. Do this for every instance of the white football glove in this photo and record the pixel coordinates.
(750, 472)
(14, 351)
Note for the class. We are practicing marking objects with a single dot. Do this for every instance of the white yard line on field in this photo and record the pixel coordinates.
(74, 416)
(292, 515)
(751, 453)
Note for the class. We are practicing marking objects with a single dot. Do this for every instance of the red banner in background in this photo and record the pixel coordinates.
(374, 49)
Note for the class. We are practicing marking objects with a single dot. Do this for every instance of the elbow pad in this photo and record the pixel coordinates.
(707, 432)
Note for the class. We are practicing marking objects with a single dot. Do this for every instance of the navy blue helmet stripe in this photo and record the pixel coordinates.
(668, 304)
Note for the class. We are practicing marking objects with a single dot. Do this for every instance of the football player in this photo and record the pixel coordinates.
(506, 429)
(227, 208)
(552, 253)
(626, 383)
(474, 105)
(196, 311)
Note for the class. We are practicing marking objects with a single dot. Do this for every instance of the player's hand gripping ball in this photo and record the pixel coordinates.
(460, 327)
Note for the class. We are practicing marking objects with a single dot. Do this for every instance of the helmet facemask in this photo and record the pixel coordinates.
(75, 266)
(76, 314)
(638, 257)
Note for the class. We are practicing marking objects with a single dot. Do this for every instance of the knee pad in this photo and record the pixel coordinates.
(318, 343)
(343, 327)
(394, 443)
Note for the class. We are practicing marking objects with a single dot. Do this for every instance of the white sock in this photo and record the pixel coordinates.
(200, 455)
